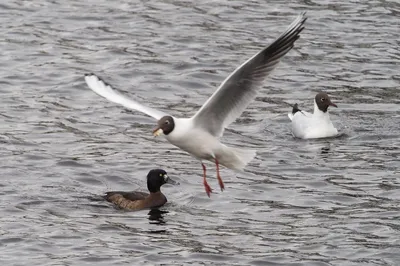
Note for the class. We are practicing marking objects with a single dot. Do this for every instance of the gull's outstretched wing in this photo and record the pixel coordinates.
(108, 92)
(240, 88)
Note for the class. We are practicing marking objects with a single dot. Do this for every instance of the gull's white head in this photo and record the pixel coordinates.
(164, 126)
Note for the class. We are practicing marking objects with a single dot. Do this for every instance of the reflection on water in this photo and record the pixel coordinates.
(325, 150)
(156, 216)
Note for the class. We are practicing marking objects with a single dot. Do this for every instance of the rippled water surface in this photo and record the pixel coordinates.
(320, 202)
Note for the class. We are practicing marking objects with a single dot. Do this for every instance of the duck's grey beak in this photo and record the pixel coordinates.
(168, 180)
(157, 131)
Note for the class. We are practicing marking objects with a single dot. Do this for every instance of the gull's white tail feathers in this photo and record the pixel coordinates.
(235, 158)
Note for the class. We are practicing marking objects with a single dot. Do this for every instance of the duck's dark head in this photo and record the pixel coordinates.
(165, 125)
(323, 101)
(156, 178)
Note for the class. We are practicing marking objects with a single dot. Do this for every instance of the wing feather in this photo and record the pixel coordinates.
(241, 87)
(107, 91)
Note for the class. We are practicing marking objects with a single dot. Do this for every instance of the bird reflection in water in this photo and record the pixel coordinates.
(325, 150)
(156, 216)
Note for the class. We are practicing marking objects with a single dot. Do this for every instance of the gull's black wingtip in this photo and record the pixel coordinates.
(295, 108)
(89, 74)
(303, 20)
(303, 15)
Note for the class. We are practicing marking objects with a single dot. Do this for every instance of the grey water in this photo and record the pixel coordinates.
(316, 202)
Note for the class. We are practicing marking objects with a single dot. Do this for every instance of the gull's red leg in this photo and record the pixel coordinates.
(220, 182)
(206, 185)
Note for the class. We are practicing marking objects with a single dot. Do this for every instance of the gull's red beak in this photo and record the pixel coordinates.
(332, 104)
(157, 131)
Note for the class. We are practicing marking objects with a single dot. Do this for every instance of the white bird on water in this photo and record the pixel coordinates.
(316, 125)
(200, 134)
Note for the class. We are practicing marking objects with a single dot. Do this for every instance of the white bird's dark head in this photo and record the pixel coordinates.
(323, 101)
(165, 125)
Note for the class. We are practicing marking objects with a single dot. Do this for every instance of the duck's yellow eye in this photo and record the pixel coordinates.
(161, 175)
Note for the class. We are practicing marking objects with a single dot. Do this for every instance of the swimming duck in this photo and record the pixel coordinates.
(316, 125)
(137, 200)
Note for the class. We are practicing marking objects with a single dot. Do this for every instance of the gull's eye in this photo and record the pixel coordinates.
(166, 122)
(322, 99)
